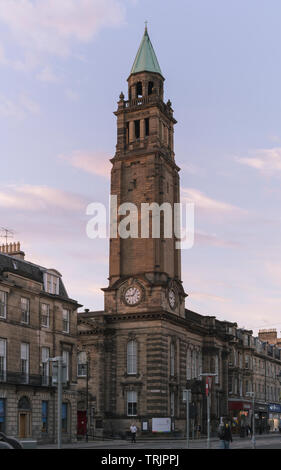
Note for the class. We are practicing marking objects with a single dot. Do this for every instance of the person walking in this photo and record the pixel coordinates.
(225, 435)
(133, 430)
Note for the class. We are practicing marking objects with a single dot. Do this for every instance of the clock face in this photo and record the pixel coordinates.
(132, 295)
(172, 298)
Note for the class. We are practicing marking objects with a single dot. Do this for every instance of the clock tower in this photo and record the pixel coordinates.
(145, 271)
(145, 348)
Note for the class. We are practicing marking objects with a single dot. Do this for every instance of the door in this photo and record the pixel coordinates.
(24, 425)
(81, 423)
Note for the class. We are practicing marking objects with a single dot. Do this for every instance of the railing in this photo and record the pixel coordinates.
(143, 100)
(18, 378)
(140, 101)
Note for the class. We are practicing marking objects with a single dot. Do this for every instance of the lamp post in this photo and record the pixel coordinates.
(208, 375)
(279, 380)
(252, 394)
(59, 381)
(87, 401)
(187, 399)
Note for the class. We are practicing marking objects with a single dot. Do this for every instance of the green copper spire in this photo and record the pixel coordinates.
(146, 60)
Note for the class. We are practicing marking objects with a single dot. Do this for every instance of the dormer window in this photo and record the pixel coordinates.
(51, 283)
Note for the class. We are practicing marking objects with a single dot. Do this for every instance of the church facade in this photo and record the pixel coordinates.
(145, 348)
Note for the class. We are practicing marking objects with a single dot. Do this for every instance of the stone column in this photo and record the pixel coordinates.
(131, 131)
(166, 135)
(142, 129)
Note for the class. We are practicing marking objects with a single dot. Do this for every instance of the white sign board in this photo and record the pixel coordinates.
(161, 424)
(184, 395)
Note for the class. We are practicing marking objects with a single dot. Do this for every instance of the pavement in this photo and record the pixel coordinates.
(270, 441)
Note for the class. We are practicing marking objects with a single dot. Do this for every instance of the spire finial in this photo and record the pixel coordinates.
(145, 26)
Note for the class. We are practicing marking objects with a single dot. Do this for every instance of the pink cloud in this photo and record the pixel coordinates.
(50, 26)
(213, 240)
(205, 202)
(267, 161)
(37, 198)
(95, 163)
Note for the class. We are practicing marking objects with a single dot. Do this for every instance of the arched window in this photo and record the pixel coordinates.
(150, 88)
(188, 365)
(172, 359)
(132, 357)
(24, 404)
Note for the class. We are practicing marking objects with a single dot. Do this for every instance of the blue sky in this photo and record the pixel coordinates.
(62, 67)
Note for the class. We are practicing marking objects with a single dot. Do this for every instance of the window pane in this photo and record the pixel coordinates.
(45, 314)
(2, 360)
(3, 304)
(132, 403)
(65, 320)
(44, 417)
(188, 365)
(132, 357)
(24, 310)
(82, 364)
(64, 417)
(172, 353)
(65, 356)
(2, 415)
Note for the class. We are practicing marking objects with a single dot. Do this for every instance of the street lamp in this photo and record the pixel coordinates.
(252, 394)
(207, 375)
(59, 380)
(279, 379)
(187, 398)
(87, 400)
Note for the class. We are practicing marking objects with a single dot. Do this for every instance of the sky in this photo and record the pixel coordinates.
(62, 68)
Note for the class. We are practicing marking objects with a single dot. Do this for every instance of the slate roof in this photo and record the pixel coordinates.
(27, 270)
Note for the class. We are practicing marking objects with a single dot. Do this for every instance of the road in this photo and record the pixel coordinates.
(262, 442)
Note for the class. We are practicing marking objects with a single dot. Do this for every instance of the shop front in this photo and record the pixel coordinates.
(274, 416)
(240, 414)
(261, 418)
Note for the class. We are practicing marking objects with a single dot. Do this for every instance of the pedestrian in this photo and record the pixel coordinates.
(225, 435)
(250, 431)
(133, 430)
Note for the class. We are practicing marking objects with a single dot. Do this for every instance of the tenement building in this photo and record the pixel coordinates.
(38, 321)
(254, 366)
(145, 348)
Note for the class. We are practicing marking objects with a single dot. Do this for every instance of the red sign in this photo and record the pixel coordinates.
(208, 385)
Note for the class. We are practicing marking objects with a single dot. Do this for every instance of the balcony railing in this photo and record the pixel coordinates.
(144, 100)
(19, 378)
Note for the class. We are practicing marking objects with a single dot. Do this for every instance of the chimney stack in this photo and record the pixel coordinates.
(270, 335)
(12, 249)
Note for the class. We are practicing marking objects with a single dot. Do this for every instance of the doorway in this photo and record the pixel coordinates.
(81, 423)
(24, 425)
(24, 417)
